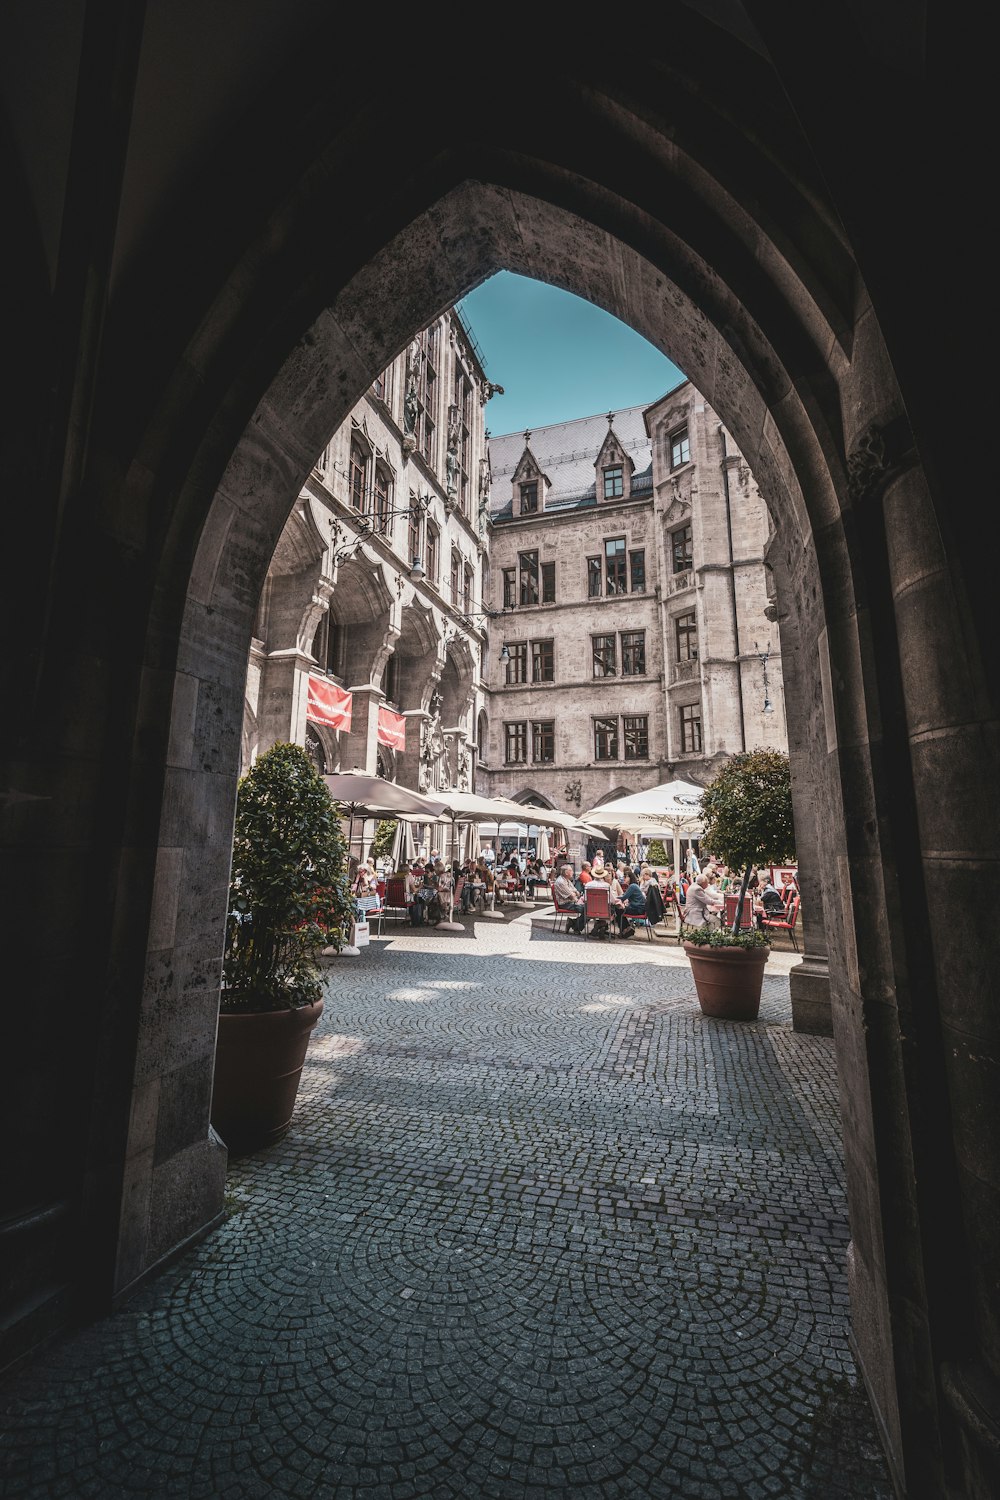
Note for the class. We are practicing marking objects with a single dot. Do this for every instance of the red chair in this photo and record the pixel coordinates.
(564, 914)
(642, 920)
(394, 900)
(731, 904)
(598, 905)
(786, 923)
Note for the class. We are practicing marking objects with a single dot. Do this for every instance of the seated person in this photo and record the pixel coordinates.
(415, 900)
(702, 906)
(771, 903)
(585, 875)
(538, 874)
(567, 897)
(633, 902)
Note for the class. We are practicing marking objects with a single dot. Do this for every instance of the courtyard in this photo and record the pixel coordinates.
(538, 1229)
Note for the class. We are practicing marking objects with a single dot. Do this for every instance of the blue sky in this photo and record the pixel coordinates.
(558, 357)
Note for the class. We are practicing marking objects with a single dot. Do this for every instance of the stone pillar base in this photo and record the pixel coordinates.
(809, 983)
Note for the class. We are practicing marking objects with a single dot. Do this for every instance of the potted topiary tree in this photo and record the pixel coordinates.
(747, 821)
(289, 898)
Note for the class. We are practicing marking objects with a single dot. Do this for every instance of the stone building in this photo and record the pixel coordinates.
(367, 644)
(627, 635)
(637, 641)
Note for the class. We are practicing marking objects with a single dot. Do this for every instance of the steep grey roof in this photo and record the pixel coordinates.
(566, 454)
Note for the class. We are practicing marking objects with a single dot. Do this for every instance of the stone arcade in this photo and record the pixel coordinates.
(206, 270)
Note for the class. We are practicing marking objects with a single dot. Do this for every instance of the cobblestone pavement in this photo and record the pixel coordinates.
(538, 1230)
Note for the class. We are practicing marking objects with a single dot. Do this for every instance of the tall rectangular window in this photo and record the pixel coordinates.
(529, 498)
(605, 662)
(593, 577)
(517, 666)
(382, 386)
(543, 741)
(633, 653)
(690, 728)
(542, 661)
(383, 500)
(357, 476)
(606, 739)
(467, 591)
(681, 549)
(433, 553)
(548, 583)
(456, 578)
(635, 733)
(686, 634)
(637, 566)
(528, 564)
(463, 418)
(680, 448)
(516, 743)
(614, 482)
(509, 588)
(614, 562)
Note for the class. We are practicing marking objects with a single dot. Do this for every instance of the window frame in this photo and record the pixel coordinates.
(680, 447)
(616, 576)
(606, 725)
(693, 723)
(542, 729)
(640, 586)
(528, 492)
(613, 475)
(529, 575)
(689, 632)
(516, 668)
(509, 577)
(630, 726)
(595, 578)
(632, 641)
(515, 732)
(543, 650)
(687, 551)
(548, 570)
(610, 644)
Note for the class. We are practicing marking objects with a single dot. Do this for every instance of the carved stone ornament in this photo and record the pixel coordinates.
(880, 454)
(867, 464)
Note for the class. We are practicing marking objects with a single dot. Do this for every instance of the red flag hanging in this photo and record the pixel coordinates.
(328, 704)
(391, 729)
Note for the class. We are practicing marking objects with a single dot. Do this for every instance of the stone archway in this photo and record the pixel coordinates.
(834, 462)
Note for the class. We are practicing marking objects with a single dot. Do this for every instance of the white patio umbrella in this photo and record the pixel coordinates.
(368, 796)
(468, 807)
(672, 808)
(543, 846)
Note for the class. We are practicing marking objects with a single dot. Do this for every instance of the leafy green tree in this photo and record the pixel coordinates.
(656, 854)
(747, 814)
(289, 891)
(385, 838)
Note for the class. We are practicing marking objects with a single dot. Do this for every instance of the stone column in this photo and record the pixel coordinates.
(284, 694)
(359, 749)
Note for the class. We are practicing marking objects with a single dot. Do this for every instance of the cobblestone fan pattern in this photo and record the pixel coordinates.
(539, 1229)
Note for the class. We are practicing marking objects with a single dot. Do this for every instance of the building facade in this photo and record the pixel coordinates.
(637, 641)
(369, 640)
(627, 634)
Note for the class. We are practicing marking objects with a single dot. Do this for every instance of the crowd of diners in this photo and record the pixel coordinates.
(433, 886)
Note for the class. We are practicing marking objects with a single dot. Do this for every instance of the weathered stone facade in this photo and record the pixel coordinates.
(376, 582)
(629, 551)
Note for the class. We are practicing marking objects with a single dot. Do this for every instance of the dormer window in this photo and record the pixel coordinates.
(529, 498)
(614, 482)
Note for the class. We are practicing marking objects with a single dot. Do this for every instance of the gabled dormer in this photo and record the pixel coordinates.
(529, 486)
(614, 469)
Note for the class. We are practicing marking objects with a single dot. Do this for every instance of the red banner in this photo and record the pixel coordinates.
(391, 729)
(328, 704)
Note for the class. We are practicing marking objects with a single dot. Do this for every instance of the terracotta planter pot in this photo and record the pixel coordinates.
(728, 980)
(258, 1062)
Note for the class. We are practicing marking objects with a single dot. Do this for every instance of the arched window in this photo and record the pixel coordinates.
(482, 737)
(383, 499)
